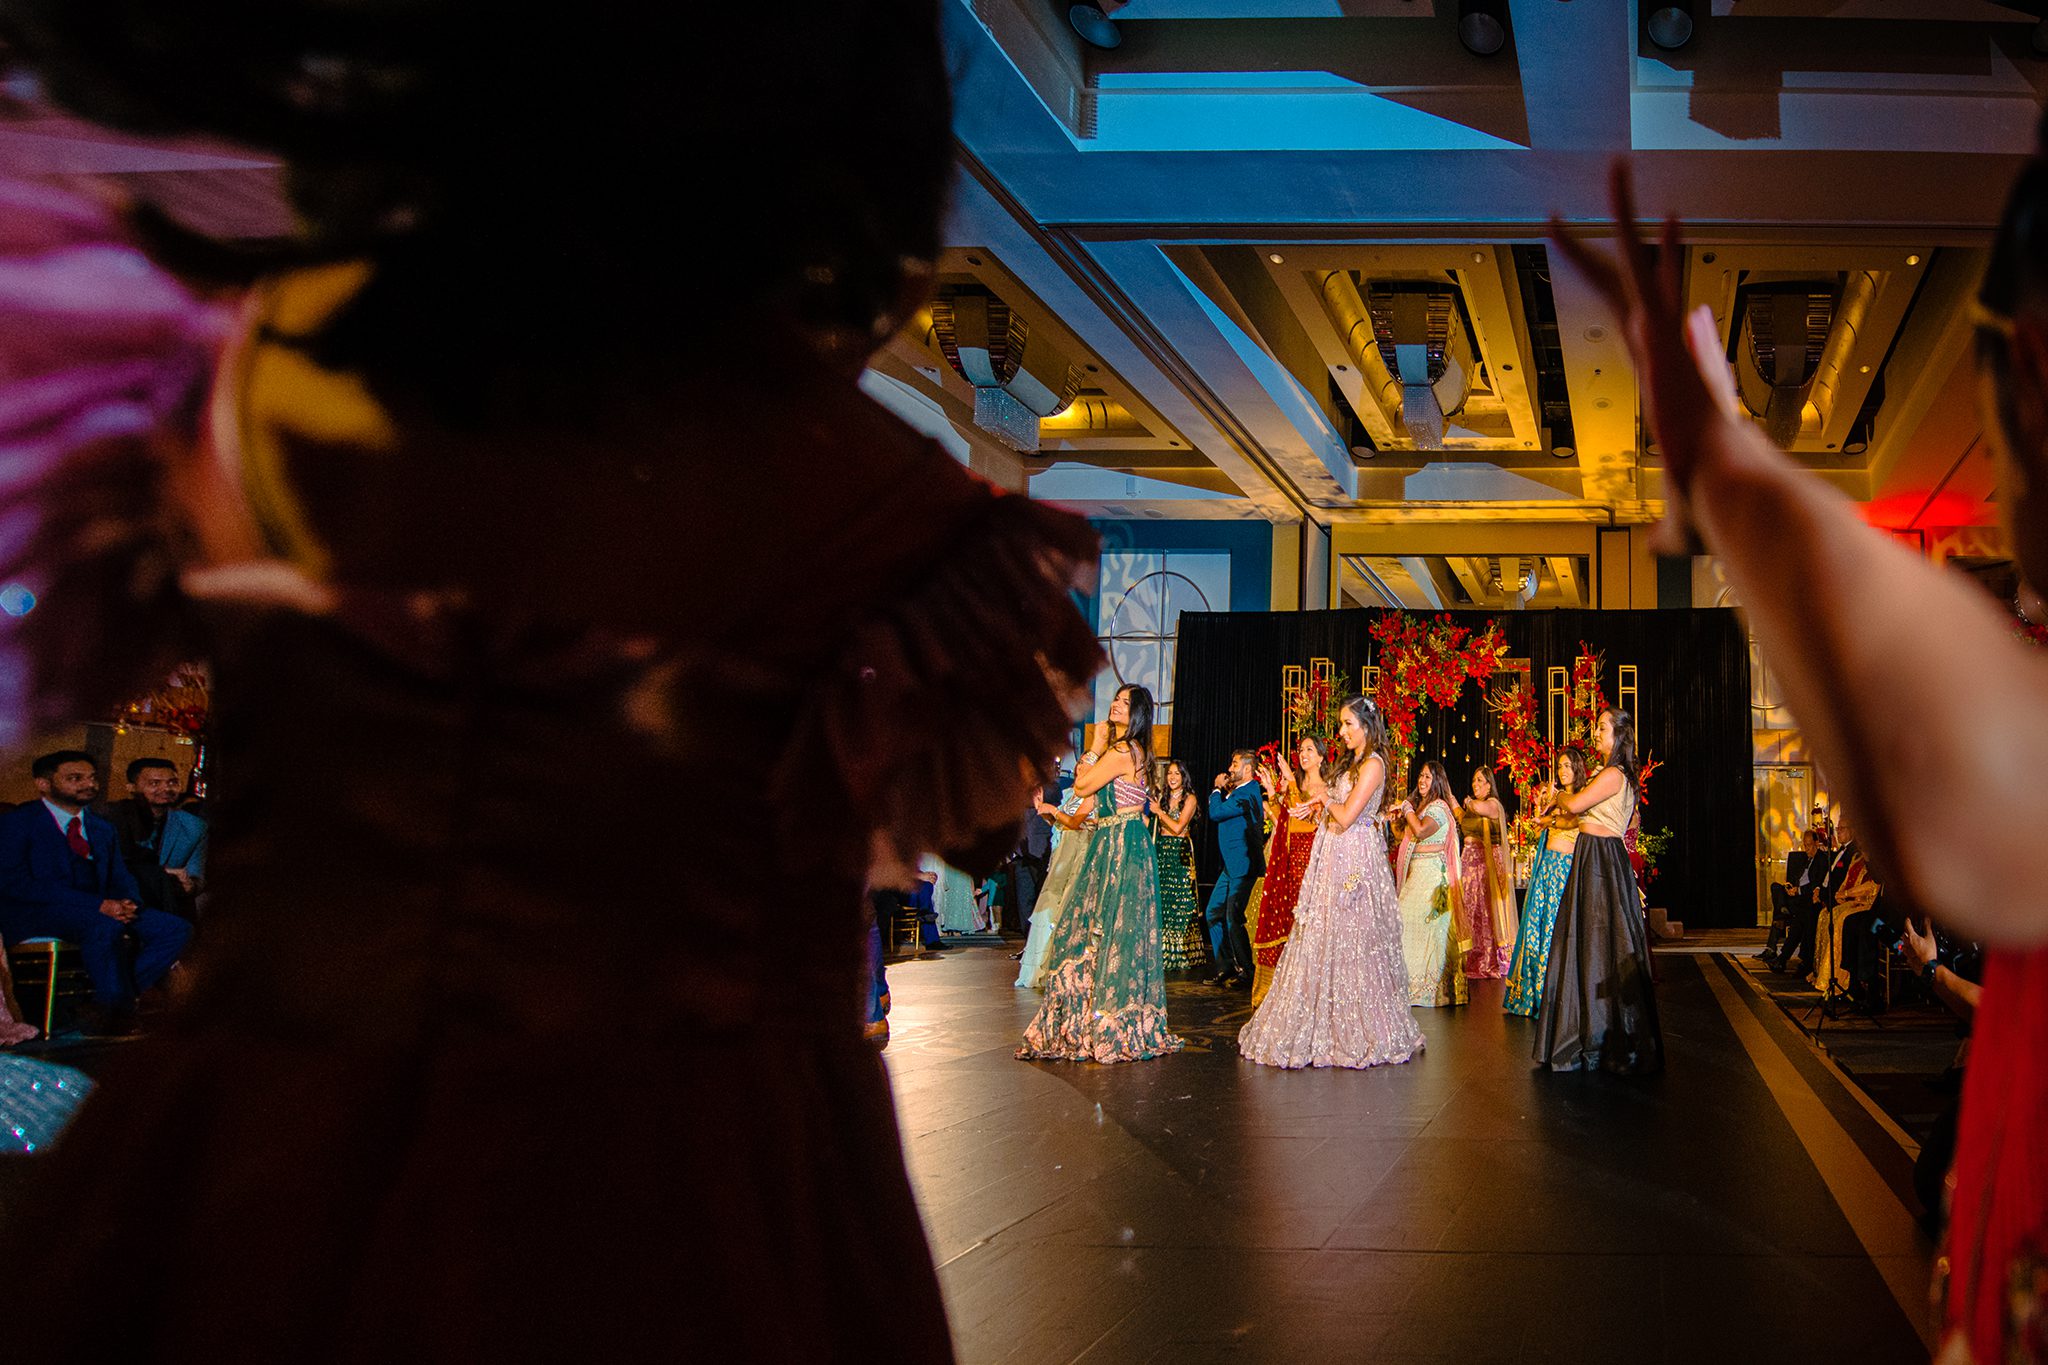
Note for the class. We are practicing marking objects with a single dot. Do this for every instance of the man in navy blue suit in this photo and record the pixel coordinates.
(1237, 809)
(62, 876)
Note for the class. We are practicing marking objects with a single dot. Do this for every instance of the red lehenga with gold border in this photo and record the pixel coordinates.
(1994, 1267)
(491, 1056)
(1270, 916)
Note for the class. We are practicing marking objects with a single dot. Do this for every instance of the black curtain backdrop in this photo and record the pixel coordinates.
(1692, 714)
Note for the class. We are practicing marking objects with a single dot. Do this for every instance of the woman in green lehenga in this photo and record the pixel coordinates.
(1105, 1000)
(1182, 945)
(1430, 908)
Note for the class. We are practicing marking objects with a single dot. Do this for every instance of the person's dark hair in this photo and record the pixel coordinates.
(1187, 785)
(1624, 755)
(2018, 270)
(47, 764)
(1250, 756)
(1137, 731)
(1501, 792)
(1574, 755)
(138, 767)
(1432, 784)
(1343, 760)
(498, 173)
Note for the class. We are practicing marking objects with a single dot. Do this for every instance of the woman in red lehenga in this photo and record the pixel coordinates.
(1906, 680)
(1295, 802)
(505, 529)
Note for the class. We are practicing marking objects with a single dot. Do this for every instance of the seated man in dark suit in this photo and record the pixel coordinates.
(1804, 901)
(1786, 894)
(62, 876)
(164, 846)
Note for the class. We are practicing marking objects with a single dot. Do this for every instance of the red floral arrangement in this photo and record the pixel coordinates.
(1428, 663)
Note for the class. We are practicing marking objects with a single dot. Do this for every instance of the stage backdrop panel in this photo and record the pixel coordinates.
(1692, 714)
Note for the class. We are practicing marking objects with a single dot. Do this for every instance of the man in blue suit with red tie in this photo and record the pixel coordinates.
(62, 876)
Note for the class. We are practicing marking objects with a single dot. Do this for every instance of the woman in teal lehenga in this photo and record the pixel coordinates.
(1547, 878)
(1105, 997)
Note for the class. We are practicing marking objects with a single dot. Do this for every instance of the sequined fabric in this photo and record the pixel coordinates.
(1488, 902)
(1105, 1000)
(36, 1100)
(1539, 919)
(1429, 927)
(1270, 915)
(1340, 992)
(1599, 1010)
(1182, 945)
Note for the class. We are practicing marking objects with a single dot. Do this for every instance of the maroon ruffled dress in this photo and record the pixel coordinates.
(507, 1043)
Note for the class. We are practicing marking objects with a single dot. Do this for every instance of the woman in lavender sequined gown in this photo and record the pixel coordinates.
(1340, 993)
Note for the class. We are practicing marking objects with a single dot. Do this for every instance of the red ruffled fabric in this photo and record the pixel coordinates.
(947, 706)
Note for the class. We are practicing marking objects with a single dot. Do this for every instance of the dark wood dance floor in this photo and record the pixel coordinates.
(1745, 1206)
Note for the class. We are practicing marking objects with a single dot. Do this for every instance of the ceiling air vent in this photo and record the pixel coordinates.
(989, 344)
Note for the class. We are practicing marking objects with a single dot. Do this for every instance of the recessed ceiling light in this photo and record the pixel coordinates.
(1855, 448)
(1601, 403)
(974, 260)
(1563, 452)
(1912, 260)
(1277, 259)
(1863, 369)
(1670, 26)
(1482, 26)
(1095, 27)
(1479, 258)
(1596, 334)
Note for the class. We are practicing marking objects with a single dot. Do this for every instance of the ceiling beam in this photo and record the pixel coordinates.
(1601, 379)
(1472, 575)
(1425, 582)
(1565, 570)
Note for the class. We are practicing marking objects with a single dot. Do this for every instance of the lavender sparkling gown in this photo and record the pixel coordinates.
(1340, 994)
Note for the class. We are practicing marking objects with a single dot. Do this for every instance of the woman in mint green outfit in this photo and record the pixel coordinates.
(1105, 996)
(1552, 869)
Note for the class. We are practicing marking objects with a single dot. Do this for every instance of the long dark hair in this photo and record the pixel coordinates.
(1574, 755)
(1322, 748)
(1343, 760)
(1503, 794)
(1624, 755)
(495, 171)
(1431, 784)
(1165, 792)
(1137, 731)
